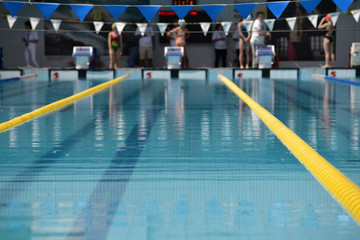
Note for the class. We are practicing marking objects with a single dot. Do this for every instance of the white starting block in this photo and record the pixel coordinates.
(265, 55)
(82, 56)
(355, 54)
(174, 57)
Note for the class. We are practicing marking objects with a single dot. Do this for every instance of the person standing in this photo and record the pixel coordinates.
(258, 33)
(146, 45)
(244, 43)
(30, 39)
(328, 40)
(115, 44)
(219, 38)
(133, 44)
(181, 34)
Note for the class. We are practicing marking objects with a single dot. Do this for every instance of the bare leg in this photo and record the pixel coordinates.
(117, 59)
(326, 51)
(241, 52)
(332, 55)
(247, 54)
(111, 55)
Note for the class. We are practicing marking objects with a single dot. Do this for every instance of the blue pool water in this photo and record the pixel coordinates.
(171, 159)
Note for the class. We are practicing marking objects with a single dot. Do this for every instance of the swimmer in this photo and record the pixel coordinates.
(328, 40)
(115, 47)
(181, 34)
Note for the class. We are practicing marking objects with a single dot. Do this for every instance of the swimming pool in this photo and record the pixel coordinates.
(174, 159)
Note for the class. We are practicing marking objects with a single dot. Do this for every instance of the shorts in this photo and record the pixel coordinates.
(145, 52)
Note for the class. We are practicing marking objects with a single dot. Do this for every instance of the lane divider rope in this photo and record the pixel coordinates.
(57, 105)
(336, 183)
(337, 80)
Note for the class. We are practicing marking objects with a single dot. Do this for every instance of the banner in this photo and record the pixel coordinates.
(277, 8)
(13, 7)
(313, 19)
(310, 5)
(226, 26)
(291, 21)
(81, 10)
(149, 11)
(142, 28)
(343, 4)
(245, 9)
(181, 11)
(356, 14)
(334, 17)
(120, 26)
(248, 25)
(47, 9)
(98, 25)
(205, 27)
(56, 24)
(270, 23)
(213, 10)
(162, 27)
(116, 11)
(11, 20)
(34, 22)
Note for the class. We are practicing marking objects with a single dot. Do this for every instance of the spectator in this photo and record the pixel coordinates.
(258, 33)
(328, 40)
(133, 44)
(219, 39)
(244, 43)
(115, 44)
(30, 38)
(146, 45)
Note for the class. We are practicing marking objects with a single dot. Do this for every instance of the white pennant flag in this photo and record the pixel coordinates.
(11, 20)
(291, 21)
(313, 19)
(356, 14)
(162, 27)
(120, 26)
(248, 25)
(56, 24)
(142, 28)
(226, 26)
(334, 17)
(270, 23)
(205, 27)
(98, 25)
(34, 22)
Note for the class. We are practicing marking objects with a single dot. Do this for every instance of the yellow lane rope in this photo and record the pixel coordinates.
(337, 184)
(57, 105)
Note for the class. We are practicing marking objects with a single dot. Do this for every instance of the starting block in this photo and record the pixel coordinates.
(355, 54)
(82, 56)
(265, 55)
(174, 57)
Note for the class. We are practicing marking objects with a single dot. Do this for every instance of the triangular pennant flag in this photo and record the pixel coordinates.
(81, 10)
(205, 27)
(181, 11)
(226, 26)
(213, 10)
(277, 8)
(291, 21)
(47, 9)
(120, 26)
(356, 14)
(245, 9)
(343, 4)
(149, 11)
(162, 27)
(310, 5)
(313, 19)
(248, 25)
(116, 11)
(34, 22)
(13, 7)
(98, 25)
(11, 20)
(270, 23)
(334, 17)
(142, 28)
(56, 24)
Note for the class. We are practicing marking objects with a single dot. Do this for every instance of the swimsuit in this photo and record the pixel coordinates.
(330, 33)
(115, 42)
(180, 38)
(244, 31)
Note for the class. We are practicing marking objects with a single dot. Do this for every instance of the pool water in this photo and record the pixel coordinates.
(174, 159)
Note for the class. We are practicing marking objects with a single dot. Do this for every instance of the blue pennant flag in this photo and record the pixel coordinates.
(81, 10)
(245, 9)
(310, 5)
(277, 8)
(181, 11)
(149, 11)
(47, 9)
(213, 10)
(13, 7)
(343, 4)
(116, 11)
